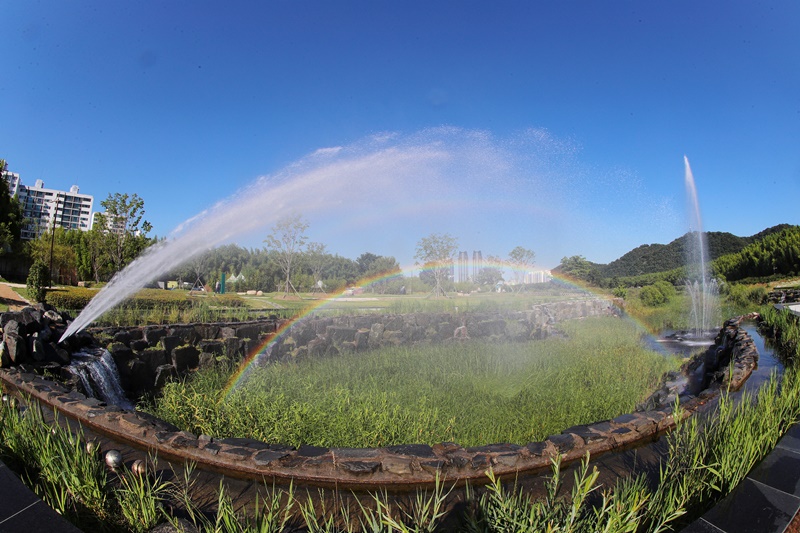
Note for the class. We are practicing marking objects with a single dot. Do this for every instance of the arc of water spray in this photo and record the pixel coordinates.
(439, 163)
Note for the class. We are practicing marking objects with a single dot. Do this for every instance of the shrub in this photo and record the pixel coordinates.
(651, 296)
(70, 297)
(666, 288)
(37, 279)
(744, 296)
(226, 300)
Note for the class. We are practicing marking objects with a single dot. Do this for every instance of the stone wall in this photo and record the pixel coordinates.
(780, 296)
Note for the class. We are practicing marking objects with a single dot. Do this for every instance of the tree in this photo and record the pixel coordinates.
(380, 270)
(435, 252)
(37, 280)
(10, 216)
(123, 230)
(576, 266)
(55, 249)
(287, 238)
(522, 260)
(315, 252)
(490, 276)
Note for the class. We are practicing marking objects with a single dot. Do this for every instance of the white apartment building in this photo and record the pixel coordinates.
(541, 276)
(44, 208)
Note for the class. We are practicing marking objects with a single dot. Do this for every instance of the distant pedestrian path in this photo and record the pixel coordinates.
(10, 298)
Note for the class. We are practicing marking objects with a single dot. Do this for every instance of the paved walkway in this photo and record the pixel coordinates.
(767, 499)
(11, 298)
(22, 510)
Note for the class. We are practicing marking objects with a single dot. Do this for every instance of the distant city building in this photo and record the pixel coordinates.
(44, 208)
(541, 276)
(463, 266)
(477, 263)
(113, 224)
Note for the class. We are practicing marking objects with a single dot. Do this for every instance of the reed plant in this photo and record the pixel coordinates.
(472, 393)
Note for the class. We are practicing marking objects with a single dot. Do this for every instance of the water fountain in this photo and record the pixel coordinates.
(701, 287)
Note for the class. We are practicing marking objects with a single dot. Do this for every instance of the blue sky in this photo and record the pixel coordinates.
(585, 109)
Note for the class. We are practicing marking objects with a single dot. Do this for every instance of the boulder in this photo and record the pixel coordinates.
(170, 342)
(185, 358)
(15, 348)
(153, 335)
(163, 374)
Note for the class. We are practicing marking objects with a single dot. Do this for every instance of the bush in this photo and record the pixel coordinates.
(744, 296)
(70, 297)
(666, 288)
(37, 279)
(651, 296)
(226, 300)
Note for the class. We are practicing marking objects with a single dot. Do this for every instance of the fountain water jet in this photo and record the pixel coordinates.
(423, 177)
(700, 286)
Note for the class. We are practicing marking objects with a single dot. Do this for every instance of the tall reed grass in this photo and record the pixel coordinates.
(473, 393)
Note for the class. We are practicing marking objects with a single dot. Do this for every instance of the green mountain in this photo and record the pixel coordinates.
(652, 258)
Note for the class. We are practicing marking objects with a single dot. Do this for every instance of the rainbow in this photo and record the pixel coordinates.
(246, 365)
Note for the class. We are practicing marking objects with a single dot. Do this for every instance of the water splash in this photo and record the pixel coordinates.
(701, 287)
(426, 180)
(100, 378)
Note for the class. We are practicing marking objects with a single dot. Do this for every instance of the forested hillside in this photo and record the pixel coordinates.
(653, 258)
(777, 253)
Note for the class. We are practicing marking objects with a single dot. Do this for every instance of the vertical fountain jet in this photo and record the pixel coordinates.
(699, 283)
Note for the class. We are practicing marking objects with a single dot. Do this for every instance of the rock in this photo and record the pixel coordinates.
(215, 347)
(185, 358)
(38, 352)
(170, 342)
(121, 353)
(206, 360)
(163, 374)
(12, 326)
(153, 335)
(5, 357)
(15, 348)
(53, 317)
(122, 337)
(154, 358)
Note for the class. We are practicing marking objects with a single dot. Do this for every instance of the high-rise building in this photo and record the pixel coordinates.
(45, 208)
(463, 266)
(477, 263)
(13, 181)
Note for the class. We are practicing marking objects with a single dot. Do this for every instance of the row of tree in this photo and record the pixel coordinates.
(289, 263)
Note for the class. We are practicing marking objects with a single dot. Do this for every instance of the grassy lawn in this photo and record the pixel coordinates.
(475, 393)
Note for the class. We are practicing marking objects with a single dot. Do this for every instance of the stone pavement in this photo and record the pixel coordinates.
(22, 510)
(767, 499)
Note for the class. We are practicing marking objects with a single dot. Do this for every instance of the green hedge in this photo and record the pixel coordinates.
(70, 297)
(79, 297)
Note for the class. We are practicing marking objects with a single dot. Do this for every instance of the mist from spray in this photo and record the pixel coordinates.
(431, 174)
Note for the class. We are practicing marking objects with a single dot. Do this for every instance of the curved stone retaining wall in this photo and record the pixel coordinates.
(407, 465)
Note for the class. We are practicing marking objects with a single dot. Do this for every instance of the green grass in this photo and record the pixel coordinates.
(474, 393)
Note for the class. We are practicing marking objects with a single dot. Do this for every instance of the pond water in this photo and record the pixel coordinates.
(671, 342)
